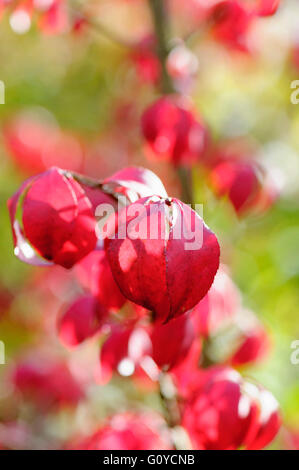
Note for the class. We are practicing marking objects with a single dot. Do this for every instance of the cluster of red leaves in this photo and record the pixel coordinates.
(224, 411)
(225, 21)
(157, 306)
(53, 222)
(173, 132)
(230, 20)
(124, 277)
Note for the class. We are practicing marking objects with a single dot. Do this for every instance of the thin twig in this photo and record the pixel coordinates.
(100, 28)
(95, 184)
(205, 359)
(168, 398)
(160, 20)
(185, 175)
(168, 395)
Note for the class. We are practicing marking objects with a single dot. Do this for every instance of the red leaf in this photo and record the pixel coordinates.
(82, 320)
(167, 274)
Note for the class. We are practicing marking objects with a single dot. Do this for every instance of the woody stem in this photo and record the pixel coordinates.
(161, 25)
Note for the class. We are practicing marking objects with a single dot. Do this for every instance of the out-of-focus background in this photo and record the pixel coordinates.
(74, 99)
